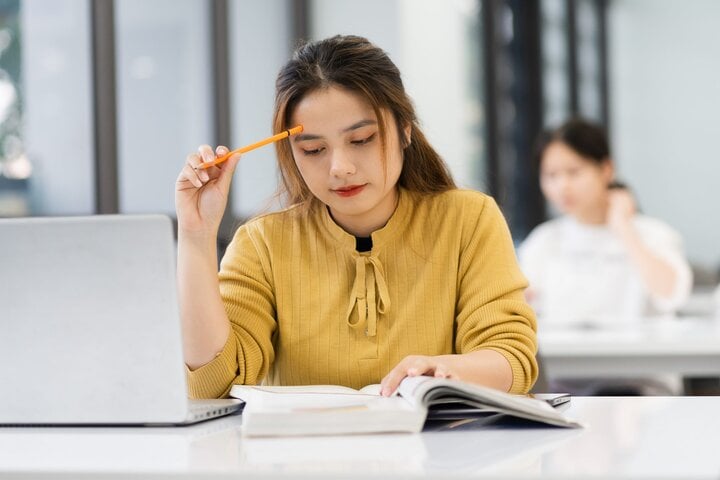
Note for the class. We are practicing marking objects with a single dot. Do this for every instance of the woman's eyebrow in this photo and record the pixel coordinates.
(301, 137)
(359, 124)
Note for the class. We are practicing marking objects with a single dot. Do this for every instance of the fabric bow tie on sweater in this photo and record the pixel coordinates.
(369, 293)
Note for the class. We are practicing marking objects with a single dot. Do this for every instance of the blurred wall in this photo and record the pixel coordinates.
(665, 100)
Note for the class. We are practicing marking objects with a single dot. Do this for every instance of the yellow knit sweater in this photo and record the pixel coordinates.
(307, 308)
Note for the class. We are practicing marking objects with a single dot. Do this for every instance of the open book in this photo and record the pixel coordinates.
(328, 410)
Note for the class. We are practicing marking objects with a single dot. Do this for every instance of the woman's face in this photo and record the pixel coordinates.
(575, 185)
(339, 155)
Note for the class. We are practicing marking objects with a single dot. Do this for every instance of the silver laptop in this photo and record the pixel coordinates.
(89, 325)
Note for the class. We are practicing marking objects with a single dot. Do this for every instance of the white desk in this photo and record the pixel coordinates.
(675, 346)
(625, 438)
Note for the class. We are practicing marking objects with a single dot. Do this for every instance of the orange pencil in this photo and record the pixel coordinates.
(253, 146)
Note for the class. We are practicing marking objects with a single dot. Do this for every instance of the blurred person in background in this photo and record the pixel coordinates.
(600, 262)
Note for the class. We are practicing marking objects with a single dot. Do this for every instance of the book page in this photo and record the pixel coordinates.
(428, 392)
(373, 389)
(238, 391)
(408, 389)
(301, 397)
(242, 391)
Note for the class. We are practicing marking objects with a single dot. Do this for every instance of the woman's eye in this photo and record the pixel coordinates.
(313, 151)
(363, 141)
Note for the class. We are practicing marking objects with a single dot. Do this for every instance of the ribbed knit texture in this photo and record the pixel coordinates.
(307, 308)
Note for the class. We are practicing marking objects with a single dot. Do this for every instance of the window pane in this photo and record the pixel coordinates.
(453, 119)
(164, 95)
(665, 102)
(588, 49)
(260, 44)
(555, 62)
(47, 146)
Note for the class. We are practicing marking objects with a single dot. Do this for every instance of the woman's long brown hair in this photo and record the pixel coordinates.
(355, 64)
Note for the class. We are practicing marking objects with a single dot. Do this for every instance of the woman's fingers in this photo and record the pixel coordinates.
(188, 178)
(441, 371)
(226, 171)
(391, 381)
(410, 366)
(413, 366)
(206, 153)
(190, 173)
(192, 176)
(419, 366)
(393, 378)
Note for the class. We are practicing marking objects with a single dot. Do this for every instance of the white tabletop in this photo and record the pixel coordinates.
(683, 346)
(633, 437)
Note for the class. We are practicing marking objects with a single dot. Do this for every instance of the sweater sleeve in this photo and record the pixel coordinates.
(491, 310)
(247, 292)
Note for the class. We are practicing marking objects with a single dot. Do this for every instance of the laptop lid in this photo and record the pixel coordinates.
(89, 323)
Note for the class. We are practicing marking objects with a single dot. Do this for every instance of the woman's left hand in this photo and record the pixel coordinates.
(416, 365)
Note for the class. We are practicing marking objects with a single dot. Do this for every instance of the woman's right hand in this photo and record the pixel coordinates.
(202, 194)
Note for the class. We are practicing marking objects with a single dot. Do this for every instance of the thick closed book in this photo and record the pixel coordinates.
(331, 410)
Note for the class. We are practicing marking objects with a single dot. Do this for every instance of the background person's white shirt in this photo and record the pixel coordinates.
(580, 273)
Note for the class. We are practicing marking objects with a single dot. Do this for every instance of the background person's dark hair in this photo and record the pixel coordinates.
(586, 138)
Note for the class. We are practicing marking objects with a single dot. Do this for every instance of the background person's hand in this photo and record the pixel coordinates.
(415, 365)
(201, 195)
(621, 209)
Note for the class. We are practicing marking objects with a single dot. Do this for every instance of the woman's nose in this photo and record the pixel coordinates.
(341, 165)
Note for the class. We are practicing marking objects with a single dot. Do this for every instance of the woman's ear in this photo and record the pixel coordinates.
(407, 135)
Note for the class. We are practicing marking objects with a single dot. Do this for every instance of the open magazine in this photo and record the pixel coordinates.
(329, 409)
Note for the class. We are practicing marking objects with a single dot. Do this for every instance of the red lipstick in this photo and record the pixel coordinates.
(349, 190)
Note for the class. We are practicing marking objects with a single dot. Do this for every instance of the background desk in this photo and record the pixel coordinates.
(625, 438)
(675, 346)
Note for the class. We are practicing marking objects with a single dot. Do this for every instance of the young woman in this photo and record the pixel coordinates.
(600, 261)
(378, 270)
